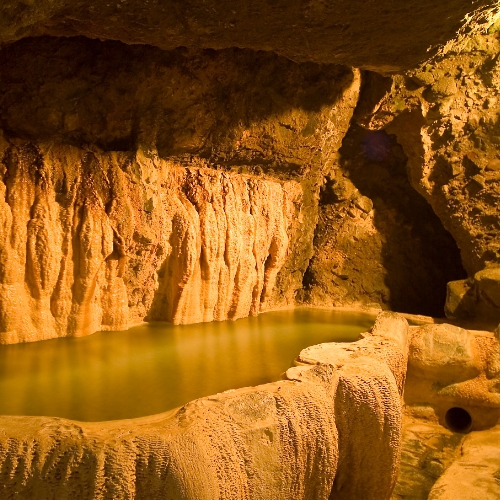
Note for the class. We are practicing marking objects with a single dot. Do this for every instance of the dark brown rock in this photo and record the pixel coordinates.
(383, 35)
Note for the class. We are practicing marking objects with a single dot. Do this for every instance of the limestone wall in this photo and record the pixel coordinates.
(84, 247)
(140, 185)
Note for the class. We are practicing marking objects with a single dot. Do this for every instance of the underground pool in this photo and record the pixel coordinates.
(155, 367)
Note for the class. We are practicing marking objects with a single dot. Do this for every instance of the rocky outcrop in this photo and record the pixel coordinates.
(368, 406)
(450, 367)
(444, 115)
(292, 439)
(450, 444)
(378, 243)
(477, 298)
(381, 35)
(273, 441)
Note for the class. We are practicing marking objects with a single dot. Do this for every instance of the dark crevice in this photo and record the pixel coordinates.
(418, 255)
(378, 241)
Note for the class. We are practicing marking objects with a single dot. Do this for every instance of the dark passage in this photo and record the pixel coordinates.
(458, 420)
(410, 257)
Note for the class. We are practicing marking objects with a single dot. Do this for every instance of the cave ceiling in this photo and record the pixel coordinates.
(383, 35)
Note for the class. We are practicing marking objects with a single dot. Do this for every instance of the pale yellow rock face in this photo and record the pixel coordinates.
(84, 247)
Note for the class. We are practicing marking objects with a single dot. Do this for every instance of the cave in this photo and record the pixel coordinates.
(249, 250)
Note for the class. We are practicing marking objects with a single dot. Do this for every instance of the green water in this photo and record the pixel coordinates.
(153, 368)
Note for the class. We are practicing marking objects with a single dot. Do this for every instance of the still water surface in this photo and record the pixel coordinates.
(153, 368)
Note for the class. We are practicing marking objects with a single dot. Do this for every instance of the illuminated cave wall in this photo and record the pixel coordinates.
(191, 184)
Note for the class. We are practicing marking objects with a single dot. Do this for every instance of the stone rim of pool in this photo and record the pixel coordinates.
(260, 442)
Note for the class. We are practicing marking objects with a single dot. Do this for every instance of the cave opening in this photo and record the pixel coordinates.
(405, 257)
(458, 420)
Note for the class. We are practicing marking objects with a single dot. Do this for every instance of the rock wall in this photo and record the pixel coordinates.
(450, 445)
(445, 116)
(138, 184)
(85, 248)
(452, 367)
(378, 242)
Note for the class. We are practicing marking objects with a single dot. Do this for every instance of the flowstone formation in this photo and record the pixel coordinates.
(142, 185)
(85, 250)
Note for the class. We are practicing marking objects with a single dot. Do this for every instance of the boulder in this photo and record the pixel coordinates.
(488, 285)
(443, 352)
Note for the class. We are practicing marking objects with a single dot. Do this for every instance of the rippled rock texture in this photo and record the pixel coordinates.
(374, 197)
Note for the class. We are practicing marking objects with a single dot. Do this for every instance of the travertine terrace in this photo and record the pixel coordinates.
(203, 161)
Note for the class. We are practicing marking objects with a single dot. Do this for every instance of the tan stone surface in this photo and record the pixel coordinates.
(475, 475)
(82, 251)
(274, 441)
(452, 367)
(379, 35)
(445, 352)
(368, 406)
(387, 343)
(427, 450)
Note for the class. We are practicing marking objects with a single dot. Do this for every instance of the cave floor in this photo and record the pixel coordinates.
(438, 464)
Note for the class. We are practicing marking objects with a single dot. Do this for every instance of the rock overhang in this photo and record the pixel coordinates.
(379, 35)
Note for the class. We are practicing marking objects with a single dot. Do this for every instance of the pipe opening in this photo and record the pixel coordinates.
(458, 420)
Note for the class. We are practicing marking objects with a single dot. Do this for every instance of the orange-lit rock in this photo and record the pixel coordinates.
(84, 247)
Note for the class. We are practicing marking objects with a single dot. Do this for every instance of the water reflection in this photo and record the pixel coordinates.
(153, 368)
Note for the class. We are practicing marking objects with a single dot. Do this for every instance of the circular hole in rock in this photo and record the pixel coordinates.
(458, 420)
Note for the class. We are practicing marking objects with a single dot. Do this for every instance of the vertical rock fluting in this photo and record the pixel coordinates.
(228, 240)
(84, 247)
(143, 184)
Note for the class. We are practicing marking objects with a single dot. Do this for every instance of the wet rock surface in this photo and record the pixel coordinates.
(190, 169)
(475, 474)
(427, 450)
(86, 247)
(450, 367)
